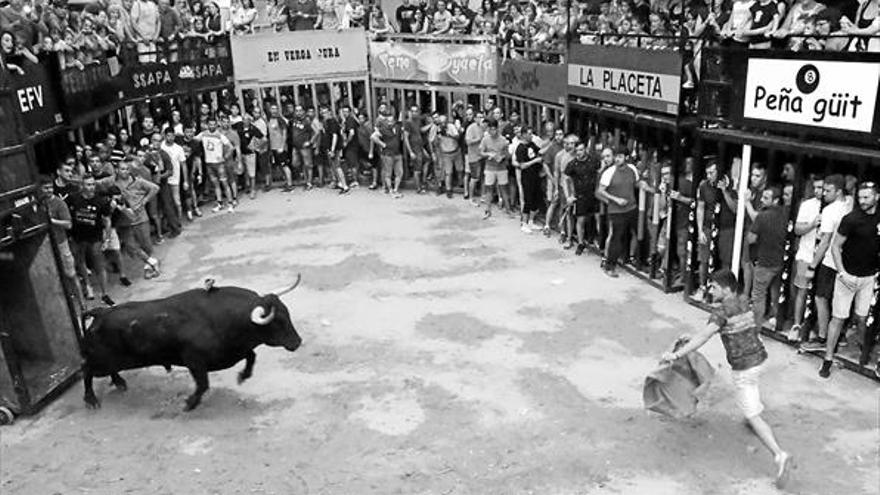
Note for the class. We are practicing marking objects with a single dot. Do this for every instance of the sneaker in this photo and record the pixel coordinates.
(90, 294)
(396, 195)
(160, 239)
(287, 188)
(231, 209)
(794, 334)
(487, 214)
(813, 345)
(449, 194)
(825, 370)
(466, 196)
(546, 231)
(309, 187)
(189, 216)
(611, 272)
(153, 263)
(524, 228)
(217, 208)
(568, 245)
(252, 195)
(267, 188)
(580, 249)
(373, 187)
(125, 281)
(198, 212)
(344, 191)
(106, 300)
(234, 201)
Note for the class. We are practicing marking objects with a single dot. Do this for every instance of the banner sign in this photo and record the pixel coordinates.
(471, 64)
(153, 79)
(269, 57)
(35, 98)
(818, 93)
(634, 77)
(532, 80)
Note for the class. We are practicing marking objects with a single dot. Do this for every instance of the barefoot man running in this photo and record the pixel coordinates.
(745, 352)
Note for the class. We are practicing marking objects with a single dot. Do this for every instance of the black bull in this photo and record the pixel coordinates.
(204, 330)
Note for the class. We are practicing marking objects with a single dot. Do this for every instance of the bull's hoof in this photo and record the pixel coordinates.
(92, 402)
(191, 403)
(242, 376)
(120, 384)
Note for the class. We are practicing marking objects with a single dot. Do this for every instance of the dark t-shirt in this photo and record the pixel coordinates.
(404, 14)
(300, 131)
(682, 211)
(861, 250)
(762, 15)
(390, 134)
(414, 133)
(771, 227)
(66, 191)
(297, 22)
(87, 215)
(585, 176)
(526, 152)
(246, 135)
(331, 128)
(351, 124)
(711, 195)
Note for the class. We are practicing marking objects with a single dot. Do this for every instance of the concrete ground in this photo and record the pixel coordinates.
(442, 354)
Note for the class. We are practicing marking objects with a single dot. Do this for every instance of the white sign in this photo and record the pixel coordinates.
(659, 87)
(835, 95)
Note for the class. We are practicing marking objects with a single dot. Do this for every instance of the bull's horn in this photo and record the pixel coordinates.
(285, 291)
(259, 316)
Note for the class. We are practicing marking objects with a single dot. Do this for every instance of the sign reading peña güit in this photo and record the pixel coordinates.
(819, 93)
(533, 80)
(473, 64)
(626, 76)
(270, 57)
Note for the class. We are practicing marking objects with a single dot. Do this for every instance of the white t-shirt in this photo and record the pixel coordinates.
(213, 144)
(808, 212)
(831, 217)
(178, 156)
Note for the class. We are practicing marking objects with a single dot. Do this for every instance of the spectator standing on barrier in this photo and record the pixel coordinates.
(176, 179)
(822, 265)
(170, 27)
(449, 153)
(133, 227)
(617, 186)
(253, 144)
(442, 19)
(277, 14)
(388, 139)
(473, 136)
(856, 253)
(302, 135)
(90, 215)
(807, 228)
(529, 162)
(581, 175)
(494, 149)
(768, 235)
(146, 25)
(415, 148)
(765, 18)
(217, 150)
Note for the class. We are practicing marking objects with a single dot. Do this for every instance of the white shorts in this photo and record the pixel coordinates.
(748, 394)
(250, 164)
(848, 289)
(492, 177)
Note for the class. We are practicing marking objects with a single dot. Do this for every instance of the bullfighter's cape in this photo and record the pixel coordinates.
(674, 389)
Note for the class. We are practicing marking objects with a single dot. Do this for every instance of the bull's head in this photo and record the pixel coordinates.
(272, 314)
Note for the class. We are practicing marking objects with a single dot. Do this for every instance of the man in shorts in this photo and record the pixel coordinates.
(807, 227)
(90, 215)
(494, 149)
(253, 142)
(581, 176)
(414, 143)
(473, 136)
(451, 161)
(388, 138)
(734, 322)
(278, 132)
(234, 168)
(216, 150)
(856, 253)
(59, 217)
(822, 265)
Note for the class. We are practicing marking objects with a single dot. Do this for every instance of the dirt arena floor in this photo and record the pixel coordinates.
(442, 354)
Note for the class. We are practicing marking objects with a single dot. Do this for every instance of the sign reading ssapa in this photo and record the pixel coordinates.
(834, 95)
